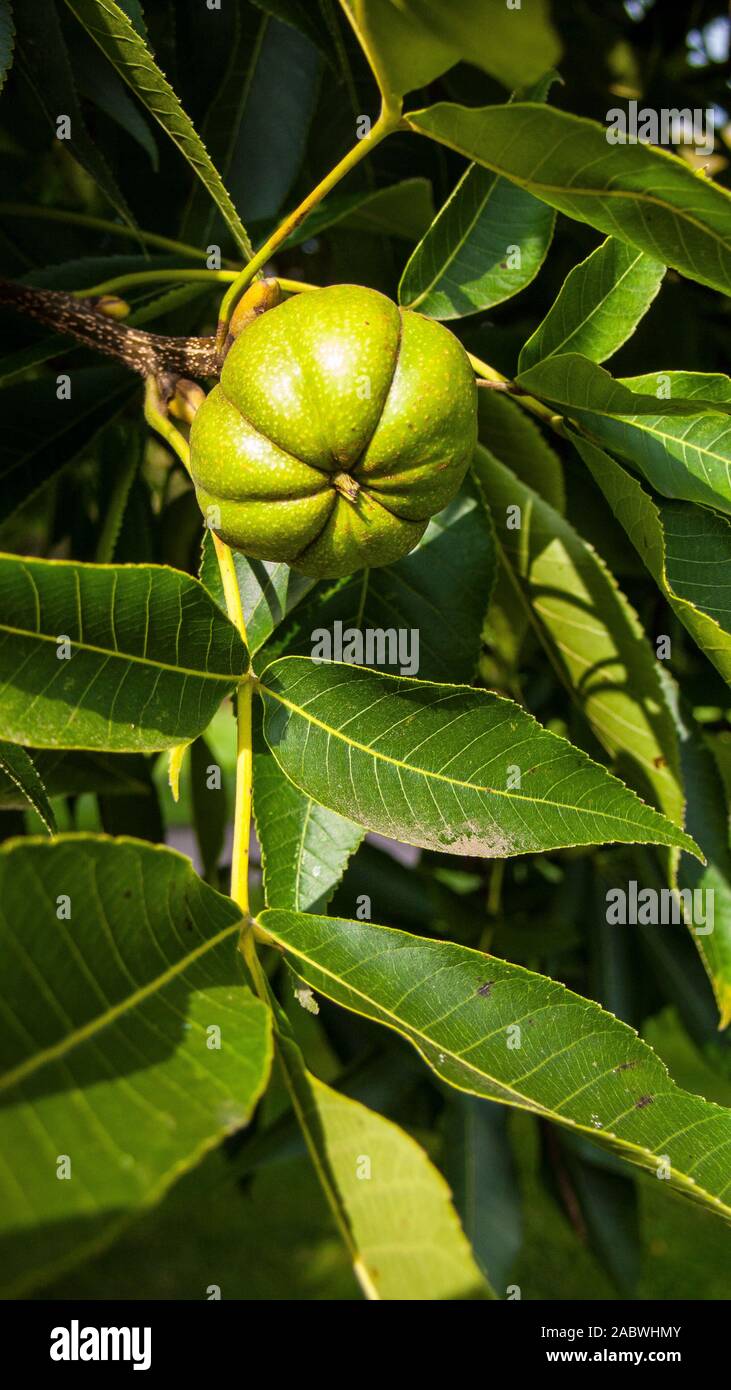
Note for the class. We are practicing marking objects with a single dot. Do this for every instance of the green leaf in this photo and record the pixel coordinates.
(22, 771)
(15, 364)
(402, 54)
(298, 14)
(713, 389)
(592, 635)
(105, 89)
(487, 243)
(44, 62)
(220, 126)
(403, 209)
(272, 135)
(437, 765)
(687, 550)
(391, 1205)
(210, 812)
(118, 962)
(481, 1171)
(405, 601)
(708, 913)
(410, 42)
(570, 1061)
(602, 1199)
(682, 447)
(7, 40)
(304, 847)
(514, 438)
(641, 195)
(123, 658)
(598, 306)
(269, 590)
(72, 774)
(120, 43)
(43, 430)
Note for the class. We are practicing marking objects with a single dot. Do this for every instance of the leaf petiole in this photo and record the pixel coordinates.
(387, 122)
(492, 375)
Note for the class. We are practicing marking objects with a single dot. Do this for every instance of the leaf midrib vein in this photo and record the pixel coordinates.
(88, 1030)
(438, 776)
(123, 656)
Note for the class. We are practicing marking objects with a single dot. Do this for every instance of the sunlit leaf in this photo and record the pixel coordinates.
(304, 847)
(641, 195)
(410, 42)
(117, 962)
(687, 550)
(592, 635)
(496, 1030)
(598, 306)
(447, 767)
(391, 1205)
(682, 447)
(487, 243)
(122, 658)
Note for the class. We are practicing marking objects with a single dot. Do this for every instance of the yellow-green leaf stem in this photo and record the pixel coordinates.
(158, 421)
(386, 123)
(488, 373)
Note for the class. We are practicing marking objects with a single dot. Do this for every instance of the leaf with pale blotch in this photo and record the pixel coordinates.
(598, 306)
(117, 962)
(641, 195)
(682, 447)
(119, 658)
(446, 767)
(505, 1033)
(687, 550)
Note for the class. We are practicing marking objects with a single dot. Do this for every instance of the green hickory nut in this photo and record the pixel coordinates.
(341, 424)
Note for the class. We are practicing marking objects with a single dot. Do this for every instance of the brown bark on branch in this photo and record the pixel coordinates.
(150, 354)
